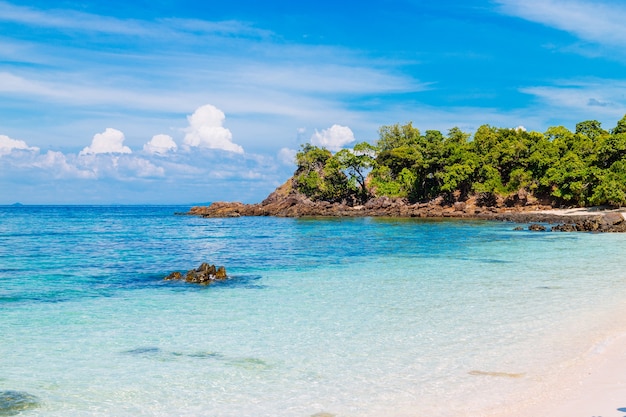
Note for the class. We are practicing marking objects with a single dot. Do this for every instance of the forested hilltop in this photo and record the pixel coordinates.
(586, 167)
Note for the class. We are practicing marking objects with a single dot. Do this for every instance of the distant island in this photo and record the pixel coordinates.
(497, 173)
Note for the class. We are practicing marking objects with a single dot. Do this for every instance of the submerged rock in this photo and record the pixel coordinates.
(13, 403)
(204, 274)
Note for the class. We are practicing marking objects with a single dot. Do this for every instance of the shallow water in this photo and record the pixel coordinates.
(352, 317)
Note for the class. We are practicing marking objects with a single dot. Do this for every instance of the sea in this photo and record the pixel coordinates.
(351, 317)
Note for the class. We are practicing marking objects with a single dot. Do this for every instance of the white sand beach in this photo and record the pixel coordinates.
(578, 211)
(600, 391)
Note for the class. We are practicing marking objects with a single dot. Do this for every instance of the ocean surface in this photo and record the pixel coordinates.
(327, 317)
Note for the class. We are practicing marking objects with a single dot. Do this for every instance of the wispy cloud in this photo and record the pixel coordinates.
(586, 97)
(76, 21)
(68, 20)
(166, 67)
(593, 21)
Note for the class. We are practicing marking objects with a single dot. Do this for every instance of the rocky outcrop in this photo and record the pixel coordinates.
(286, 201)
(607, 222)
(204, 274)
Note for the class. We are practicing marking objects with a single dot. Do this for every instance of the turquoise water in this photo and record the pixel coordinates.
(350, 317)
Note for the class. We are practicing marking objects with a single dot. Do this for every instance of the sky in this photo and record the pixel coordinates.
(187, 102)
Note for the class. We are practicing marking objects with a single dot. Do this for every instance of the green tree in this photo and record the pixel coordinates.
(611, 185)
(356, 163)
(395, 136)
(590, 128)
(569, 180)
(319, 174)
(612, 148)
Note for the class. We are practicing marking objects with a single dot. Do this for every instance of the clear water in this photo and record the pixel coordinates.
(350, 317)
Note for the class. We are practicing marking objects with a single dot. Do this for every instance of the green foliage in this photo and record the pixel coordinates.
(590, 128)
(611, 186)
(395, 136)
(356, 163)
(578, 168)
(319, 175)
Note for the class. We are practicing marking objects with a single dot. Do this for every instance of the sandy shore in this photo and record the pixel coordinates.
(599, 392)
(581, 211)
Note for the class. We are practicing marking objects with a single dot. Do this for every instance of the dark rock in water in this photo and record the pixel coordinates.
(174, 276)
(537, 227)
(204, 274)
(519, 228)
(13, 403)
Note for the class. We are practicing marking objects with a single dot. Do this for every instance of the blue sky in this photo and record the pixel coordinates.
(183, 101)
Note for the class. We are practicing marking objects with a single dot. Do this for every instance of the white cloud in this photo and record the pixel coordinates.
(593, 21)
(287, 156)
(206, 131)
(333, 138)
(69, 19)
(142, 167)
(7, 145)
(109, 141)
(56, 163)
(160, 145)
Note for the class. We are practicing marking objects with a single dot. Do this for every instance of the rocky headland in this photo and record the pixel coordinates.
(286, 201)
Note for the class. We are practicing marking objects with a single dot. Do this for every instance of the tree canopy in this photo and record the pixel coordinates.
(580, 168)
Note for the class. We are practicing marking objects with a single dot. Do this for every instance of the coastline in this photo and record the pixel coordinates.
(285, 203)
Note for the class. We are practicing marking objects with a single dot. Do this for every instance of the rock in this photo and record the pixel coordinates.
(518, 228)
(174, 276)
(565, 228)
(612, 218)
(537, 227)
(13, 403)
(204, 274)
(459, 206)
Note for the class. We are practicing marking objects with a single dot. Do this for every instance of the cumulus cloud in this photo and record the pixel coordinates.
(206, 131)
(7, 145)
(160, 145)
(333, 138)
(287, 156)
(109, 141)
